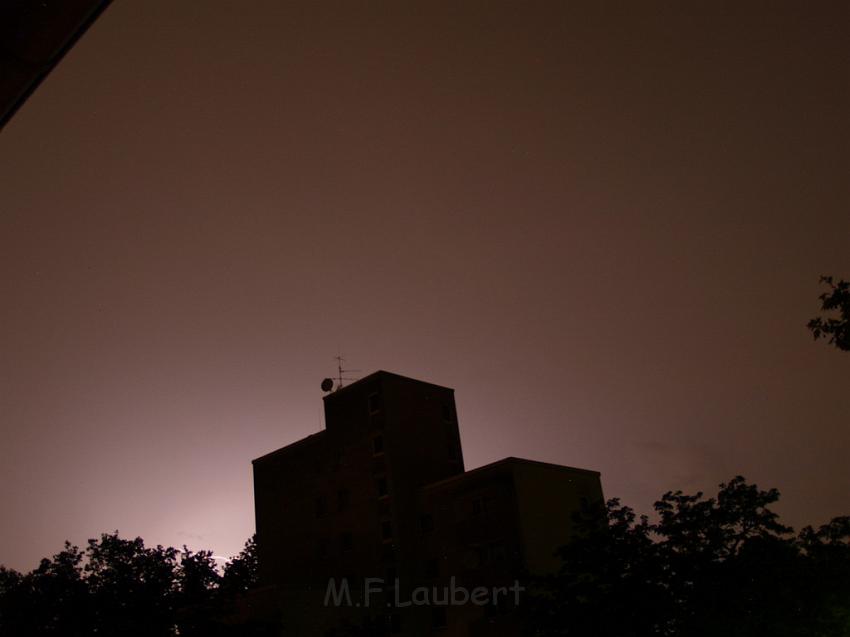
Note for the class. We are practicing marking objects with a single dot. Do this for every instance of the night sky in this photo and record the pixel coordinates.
(601, 223)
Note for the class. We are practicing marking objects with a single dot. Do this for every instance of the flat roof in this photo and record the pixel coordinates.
(383, 373)
(373, 376)
(504, 462)
(290, 447)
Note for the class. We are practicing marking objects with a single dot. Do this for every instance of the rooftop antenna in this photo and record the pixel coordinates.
(328, 383)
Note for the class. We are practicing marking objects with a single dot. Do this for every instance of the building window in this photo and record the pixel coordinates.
(386, 530)
(448, 414)
(346, 541)
(343, 496)
(382, 486)
(374, 403)
(321, 507)
(432, 568)
(485, 555)
(438, 617)
(377, 445)
(478, 506)
(500, 553)
(379, 465)
(388, 554)
(426, 523)
(501, 607)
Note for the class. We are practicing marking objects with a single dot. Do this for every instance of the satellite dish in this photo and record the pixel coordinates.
(327, 384)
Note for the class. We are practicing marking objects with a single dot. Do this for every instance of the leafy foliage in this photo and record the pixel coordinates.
(836, 330)
(132, 588)
(708, 566)
(240, 573)
(120, 587)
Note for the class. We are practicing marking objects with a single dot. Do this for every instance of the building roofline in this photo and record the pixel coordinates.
(291, 446)
(371, 377)
(510, 460)
(382, 373)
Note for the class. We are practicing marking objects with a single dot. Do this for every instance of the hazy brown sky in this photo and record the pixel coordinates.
(601, 223)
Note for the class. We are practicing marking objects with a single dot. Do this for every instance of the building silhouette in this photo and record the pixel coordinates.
(357, 523)
(34, 37)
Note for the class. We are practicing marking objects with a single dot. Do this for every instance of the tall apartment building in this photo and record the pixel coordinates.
(358, 523)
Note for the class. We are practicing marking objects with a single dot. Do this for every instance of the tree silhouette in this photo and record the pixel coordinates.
(50, 600)
(197, 577)
(218, 605)
(836, 330)
(709, 566)
(827, 569)
(722, 565)
(119, 587)
(133, 588)
(240, 573)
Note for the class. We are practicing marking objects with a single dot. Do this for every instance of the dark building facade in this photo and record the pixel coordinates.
(34, 36)
(375, 522)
